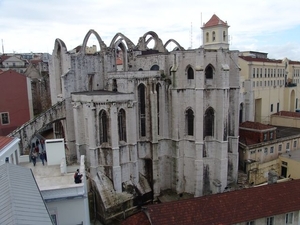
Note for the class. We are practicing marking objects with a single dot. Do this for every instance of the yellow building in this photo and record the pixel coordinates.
(290, 164)
(267, 86)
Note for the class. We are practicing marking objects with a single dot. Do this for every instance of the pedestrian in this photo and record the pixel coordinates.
(42, 158)
(45, 155)
(42, 143)
(77, 177)
(33, 157)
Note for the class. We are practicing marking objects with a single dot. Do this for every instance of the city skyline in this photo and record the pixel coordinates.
(266, 26)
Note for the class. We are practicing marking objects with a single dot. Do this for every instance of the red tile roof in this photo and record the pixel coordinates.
(137, 219)
(287, 113)
(294, 62)
(226, 208)
(248, 141)
(253, 59)
(214, 21)
(255, 125)
(4, 140)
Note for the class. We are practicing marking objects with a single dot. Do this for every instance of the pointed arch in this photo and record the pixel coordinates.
(154, 67)
(86, 38)
(209, 122)
(128, 42)
(103, 126)
(158, 45)
(179, 47)
(119, 44)
(209, 71)
(189, 122)
(122, 125)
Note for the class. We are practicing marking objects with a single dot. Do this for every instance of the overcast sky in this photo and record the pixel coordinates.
(271, 26)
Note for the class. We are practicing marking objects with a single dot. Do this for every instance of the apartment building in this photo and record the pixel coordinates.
(267, 86)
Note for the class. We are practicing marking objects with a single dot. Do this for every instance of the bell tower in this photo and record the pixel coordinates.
(215, 34)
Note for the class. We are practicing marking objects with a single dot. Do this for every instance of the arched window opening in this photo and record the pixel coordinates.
(142, 109)
(224, 35)
(190, 122)
(140, 69)
(241, 112)
(207, 37)
(209, 119)
(103, 119)
(213, 36)
(158, 93)
(209, 72)
(122, 125)
(190, 73)
(154, 67)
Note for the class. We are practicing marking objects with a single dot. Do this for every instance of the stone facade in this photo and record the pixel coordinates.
(168, 120)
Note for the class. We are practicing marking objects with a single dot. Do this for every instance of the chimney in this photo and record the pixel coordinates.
(272, 177)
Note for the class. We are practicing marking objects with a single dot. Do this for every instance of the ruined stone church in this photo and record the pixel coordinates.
(163, 120)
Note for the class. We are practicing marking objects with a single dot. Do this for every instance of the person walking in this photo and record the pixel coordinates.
(42, 157)
(33, 157)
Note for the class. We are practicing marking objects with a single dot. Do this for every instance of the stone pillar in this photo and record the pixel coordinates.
(115, 148)
(76, 128)
(92, 139)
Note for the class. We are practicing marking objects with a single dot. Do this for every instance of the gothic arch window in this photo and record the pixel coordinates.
(154, 67)
(158, 101)
(189, 118)
(140, 69)
(224, 35)
(209, 71)
(207, 37)
(142, 109)
(103, 120)
(122, 125)
(190, 73)
(209, 119)
(213, 36)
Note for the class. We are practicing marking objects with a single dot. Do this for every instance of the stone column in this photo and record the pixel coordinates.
(115, 148)
(92, 139)
(76, 128)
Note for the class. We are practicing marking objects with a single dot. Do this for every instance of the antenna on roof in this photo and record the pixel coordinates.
(191, 35)
(2, 47)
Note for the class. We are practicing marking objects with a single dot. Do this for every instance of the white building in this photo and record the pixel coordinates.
(168, 120)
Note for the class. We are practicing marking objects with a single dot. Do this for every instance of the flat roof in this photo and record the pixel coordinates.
(283, 132)
(295, 155)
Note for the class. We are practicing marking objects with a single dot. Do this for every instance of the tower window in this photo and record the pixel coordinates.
(209, 72)
(122, 125)
(103, 126)
(142, 109)
(190, 73)
(207, 37)
(209, 119)
(213, 36)
(190, 122)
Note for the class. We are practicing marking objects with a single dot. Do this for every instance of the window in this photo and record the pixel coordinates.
(154, 67)
(253, 72)
(271, 135)
(207, 37)
(265, 136)
(279, 148)
(142, 109)
(213, 36)
(270, 220)
(189, 122)
(257, 72)
(266, 151)
(277, 106)
(4, 118)
(289, 217)
(272, 149)
(250, 223)
(122, 125)
(252, 152)
(209, 72)
(295, 144)
(224, 36)
(190, 73)
(287, 146)
(209, 118)
(103, 126)
(271, 107)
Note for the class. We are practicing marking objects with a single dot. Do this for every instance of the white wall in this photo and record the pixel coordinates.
(55, 149)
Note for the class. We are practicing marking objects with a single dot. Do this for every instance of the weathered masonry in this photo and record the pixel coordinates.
(160, 120)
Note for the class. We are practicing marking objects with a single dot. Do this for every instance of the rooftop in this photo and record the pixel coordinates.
(214, 21)
(255, 125)
(295, 155)
(4, 141)
(225, 208)
(287, 113)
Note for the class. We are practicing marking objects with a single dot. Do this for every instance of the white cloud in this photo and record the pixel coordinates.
(34, 25)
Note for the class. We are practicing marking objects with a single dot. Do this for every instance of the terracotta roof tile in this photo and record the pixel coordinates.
(287, 113)
(228, 208)
(253, 59)
(255, 125)
(294, 62)
(4, 140)
(214, 21)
